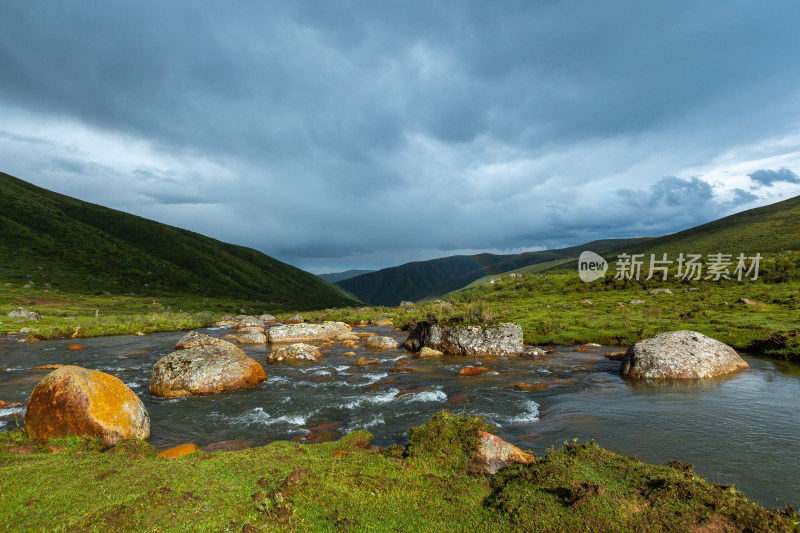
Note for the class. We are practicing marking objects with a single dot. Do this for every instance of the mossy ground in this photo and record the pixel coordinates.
(346, 486)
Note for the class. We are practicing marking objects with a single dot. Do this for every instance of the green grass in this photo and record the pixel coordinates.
(346, 486)
(78, 247)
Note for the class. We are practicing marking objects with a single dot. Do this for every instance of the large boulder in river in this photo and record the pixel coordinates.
(680, 355)
(501, 339)
(295, 352)
(73, 400)
(308, 332)
(205, 370)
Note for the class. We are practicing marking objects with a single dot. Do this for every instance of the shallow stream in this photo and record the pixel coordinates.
(743, 429)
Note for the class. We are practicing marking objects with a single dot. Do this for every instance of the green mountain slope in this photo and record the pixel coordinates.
(772, 228)
(429, 279)
(46, 237)
(333, 277)
(765, 230)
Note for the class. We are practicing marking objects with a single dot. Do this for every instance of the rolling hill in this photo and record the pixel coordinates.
(334, 277)
(49, 238)
(429, 279)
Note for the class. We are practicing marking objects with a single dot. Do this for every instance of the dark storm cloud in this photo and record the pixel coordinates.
(765, 177)
(322, 130)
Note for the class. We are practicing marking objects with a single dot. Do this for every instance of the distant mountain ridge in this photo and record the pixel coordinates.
(437, 277)
(334, 277)
(46, 237)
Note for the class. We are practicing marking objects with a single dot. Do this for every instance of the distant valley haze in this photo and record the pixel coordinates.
(363, 137)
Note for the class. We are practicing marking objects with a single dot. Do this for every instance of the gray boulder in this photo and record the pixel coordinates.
(381, 343)
(205, 369)
(502, 339)
(295, 352)
(21, 312)
(680, 355)
(660, 291)
(308, 332)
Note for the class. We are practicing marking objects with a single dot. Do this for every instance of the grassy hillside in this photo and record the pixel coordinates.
(429, 279)
(333, 277)
(75, 246)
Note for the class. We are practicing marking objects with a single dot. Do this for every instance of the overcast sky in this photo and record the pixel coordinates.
(336, 135)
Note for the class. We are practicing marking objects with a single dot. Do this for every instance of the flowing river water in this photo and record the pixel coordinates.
(742, 429)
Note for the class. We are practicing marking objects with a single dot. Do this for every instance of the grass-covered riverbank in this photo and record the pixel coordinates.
(347, 486)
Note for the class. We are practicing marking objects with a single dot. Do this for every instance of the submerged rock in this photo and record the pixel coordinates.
(680, 355)
(381, 343)
(205, 370)
(308, 332)
(363, 361)
(295, 352)
(73, 400)
(469, 371)
(502, 339)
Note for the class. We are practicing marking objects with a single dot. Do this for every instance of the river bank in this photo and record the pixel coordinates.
(346, 485)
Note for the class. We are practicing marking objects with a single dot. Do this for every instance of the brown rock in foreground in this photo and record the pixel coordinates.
(493, 453)
(680, 355)
(76, 401)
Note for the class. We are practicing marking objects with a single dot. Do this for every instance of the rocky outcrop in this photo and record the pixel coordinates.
(295, 352)
(680, 355)
(76, 401)
(503, 339)
(381, 343)
(206, 369)
(21, 312)
(493, 453)
(308, 332)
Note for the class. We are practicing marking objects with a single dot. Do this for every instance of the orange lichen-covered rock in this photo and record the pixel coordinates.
(76, 401)
(74, 347)
(205, 370)
(493, 453)
(468, 371)
(363, 361)
(178, 451)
